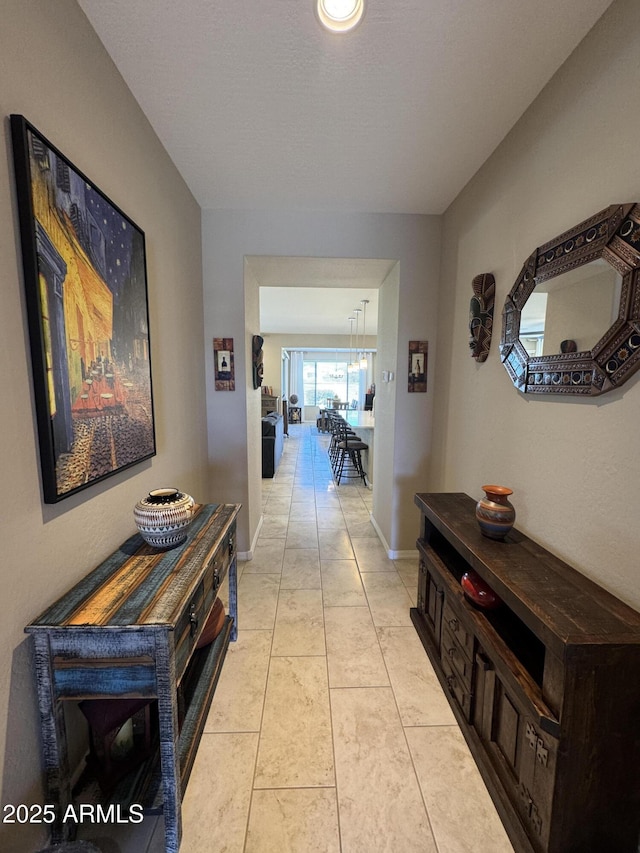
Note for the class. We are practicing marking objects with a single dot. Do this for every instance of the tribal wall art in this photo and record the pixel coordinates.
(86, 294)
(481, 315)
(257, 360)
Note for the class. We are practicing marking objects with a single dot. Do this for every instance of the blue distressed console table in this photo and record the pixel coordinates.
(130, 629)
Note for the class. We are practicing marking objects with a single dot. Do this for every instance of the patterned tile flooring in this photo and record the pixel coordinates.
(329, 730)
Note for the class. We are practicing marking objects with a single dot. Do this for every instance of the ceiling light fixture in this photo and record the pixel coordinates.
(363, 360)
(339, 16)
(351, 359)
(356, 360)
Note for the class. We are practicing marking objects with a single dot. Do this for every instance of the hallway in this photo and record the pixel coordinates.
(329, 730)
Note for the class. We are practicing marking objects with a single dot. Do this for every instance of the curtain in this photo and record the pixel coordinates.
(296, 378)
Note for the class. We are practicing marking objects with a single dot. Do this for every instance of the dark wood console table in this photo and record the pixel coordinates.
(130, 629)
(295, 415)
(546, 688)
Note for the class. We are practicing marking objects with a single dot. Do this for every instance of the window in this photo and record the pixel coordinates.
(326, 380)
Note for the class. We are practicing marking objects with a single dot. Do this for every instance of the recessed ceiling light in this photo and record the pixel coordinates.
(339, 16)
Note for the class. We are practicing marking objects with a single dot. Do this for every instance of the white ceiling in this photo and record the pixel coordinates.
(317, 295)
(259, 108)
(316, 311)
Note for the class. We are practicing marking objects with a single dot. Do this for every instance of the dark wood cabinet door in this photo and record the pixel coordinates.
(422, 587)
(538, 776)
(523, 756)
(431, 594)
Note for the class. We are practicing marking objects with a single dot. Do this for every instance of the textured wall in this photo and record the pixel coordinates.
(56, 73)
(573, 464)
(228, 237)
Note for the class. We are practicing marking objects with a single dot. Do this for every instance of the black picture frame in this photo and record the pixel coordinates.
(85, 283)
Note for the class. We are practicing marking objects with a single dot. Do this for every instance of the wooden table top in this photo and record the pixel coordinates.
(139, 586)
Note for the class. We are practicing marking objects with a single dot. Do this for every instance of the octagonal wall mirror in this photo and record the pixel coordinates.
(571, 322)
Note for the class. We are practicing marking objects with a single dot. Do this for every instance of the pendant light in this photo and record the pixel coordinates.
(351, 322)
(356, 360)
(363, 360)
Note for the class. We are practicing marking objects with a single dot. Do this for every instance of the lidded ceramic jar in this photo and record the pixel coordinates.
(494, 512)
(163, 517)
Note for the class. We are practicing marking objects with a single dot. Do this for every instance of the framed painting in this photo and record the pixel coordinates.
(418, 355)
(86, 295)
(224, 364)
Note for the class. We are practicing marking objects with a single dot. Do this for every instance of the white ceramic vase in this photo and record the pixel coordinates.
(163, 517)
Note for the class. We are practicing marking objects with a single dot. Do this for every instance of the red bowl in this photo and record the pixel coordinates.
(479, 592)
(213, 625)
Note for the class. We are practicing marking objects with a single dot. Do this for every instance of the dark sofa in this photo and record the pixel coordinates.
(272, 443)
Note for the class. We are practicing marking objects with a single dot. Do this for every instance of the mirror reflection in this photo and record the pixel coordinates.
(569, 312)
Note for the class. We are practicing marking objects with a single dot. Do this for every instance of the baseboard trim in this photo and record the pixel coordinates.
(392, 555)
(404, 555)
(381, 537)
(245, 556)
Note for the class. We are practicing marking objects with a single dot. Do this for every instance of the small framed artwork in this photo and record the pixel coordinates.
(85, 284)
(223, 364)
(418, 358)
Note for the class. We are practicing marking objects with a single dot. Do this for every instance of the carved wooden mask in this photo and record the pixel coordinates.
(257, 360)
(481, 315)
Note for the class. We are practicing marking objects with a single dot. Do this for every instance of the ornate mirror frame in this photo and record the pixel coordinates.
(612, 234)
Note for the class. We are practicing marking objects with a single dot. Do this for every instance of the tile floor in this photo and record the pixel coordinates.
(328, 730)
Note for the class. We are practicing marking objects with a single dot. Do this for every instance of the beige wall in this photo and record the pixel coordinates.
(388, 395)
(56, 73)
(253, 506)
(229, 237)
(574, 465)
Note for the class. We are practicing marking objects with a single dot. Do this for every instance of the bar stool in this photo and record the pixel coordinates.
(332, 427)
(336, 424)
(349, 460)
